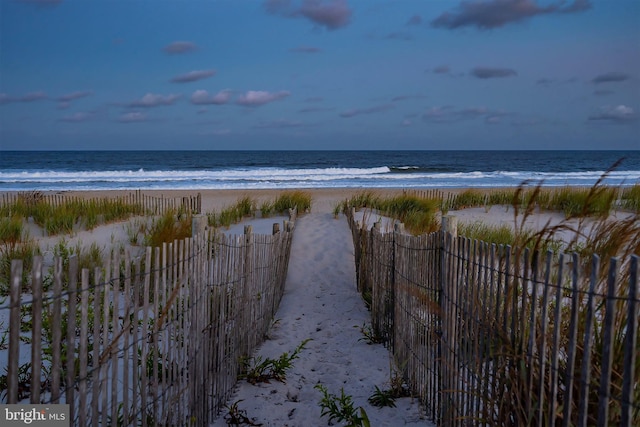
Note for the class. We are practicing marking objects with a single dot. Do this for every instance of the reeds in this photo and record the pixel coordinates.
(417, 213)
(246, 207)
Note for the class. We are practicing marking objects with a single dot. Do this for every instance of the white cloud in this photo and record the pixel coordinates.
(617, 114)
(254, 98)
(154, 100)
(202, 97)
(132, 117)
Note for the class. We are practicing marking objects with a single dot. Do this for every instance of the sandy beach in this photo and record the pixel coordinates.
(320, 303)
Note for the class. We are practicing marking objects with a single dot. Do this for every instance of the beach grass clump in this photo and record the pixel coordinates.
(61, 218)
(89, 258)
(243, 207)
(296, 199)
(478, 230)
(167, 228)
(11, 229)
(597, 201)
(630, 198)
(14, 244)
(470, 198)
(23, 250)
(266, 208)
(417, 213)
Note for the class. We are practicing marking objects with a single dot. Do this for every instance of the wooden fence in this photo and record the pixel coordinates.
(153, 204)
(491, 335)
(152, 341)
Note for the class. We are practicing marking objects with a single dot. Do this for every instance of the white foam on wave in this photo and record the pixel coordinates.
(239, 178)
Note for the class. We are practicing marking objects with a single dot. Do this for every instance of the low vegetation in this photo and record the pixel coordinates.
(341, 408)
(419, 214)
(246, 207)
(62, 218)
(259, 370)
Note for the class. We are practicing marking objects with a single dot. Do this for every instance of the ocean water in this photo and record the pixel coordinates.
(129, 170)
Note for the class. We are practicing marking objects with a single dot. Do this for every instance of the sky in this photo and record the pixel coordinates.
(319, 74)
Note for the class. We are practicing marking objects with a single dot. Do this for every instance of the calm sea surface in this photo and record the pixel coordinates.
(103, 170)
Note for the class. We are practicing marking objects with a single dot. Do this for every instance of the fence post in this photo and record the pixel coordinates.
(450, 225)
(449, 231)
(199, 224)
(14, 332)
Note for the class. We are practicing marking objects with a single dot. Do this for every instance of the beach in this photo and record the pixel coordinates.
(320, 303)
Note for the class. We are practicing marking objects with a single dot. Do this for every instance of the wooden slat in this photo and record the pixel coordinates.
(56, 333)
(608, 334)
(572, 344)
(96, 380)
(115, 323)
(71, 335)
(36, 331)
(585, 374)
(630, 345)
(14, 331)
(83, 354)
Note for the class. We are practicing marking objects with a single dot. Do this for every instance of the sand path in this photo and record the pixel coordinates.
(321, 302)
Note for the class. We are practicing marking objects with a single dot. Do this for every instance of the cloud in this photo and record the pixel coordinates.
(78, 117)
(179, 47)
(371, 110)
(28, 97)
(415, 20)
(74, 95)
(490, 73)
(193, 76)
(154, 100)
(497, 13)
(447, 114)
(305, 49)
(255, 98)
(612, 77)
(619, 114)
(331, 14)
(133, 117)
(202, 97)
(442, 69)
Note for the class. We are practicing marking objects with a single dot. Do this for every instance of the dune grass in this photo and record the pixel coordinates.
(246, 207)
(417, 213)
(172, 225)
(62, 218)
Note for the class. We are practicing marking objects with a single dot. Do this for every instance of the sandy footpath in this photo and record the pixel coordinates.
(321, 302)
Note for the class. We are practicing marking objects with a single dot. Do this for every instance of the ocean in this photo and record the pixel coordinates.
(175, 170)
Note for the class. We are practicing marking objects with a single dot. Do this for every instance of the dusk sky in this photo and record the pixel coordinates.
(319, 74)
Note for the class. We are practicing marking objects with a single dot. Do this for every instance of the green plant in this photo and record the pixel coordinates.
(382, 398)
(168, 228)
(370, 335)
(258, 369)
(24, 251)
(237, 417)
(341, 409)
(292, 199)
